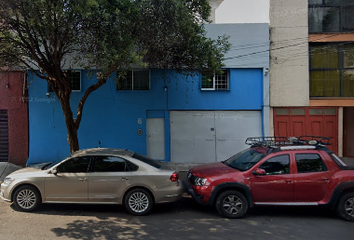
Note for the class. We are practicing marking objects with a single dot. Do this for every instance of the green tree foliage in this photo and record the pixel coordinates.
(108, 35)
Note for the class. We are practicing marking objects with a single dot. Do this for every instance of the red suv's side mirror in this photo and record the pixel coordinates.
(259, 171)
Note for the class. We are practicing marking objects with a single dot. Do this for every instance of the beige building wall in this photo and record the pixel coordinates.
(214, 4)
(289, 74)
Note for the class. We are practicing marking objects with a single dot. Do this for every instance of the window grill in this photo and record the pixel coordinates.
(218, 81)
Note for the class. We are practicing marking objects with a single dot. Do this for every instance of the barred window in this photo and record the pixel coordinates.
(218, 81)
(331, 70)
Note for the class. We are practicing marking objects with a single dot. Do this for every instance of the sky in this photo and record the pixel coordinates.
(243, 11)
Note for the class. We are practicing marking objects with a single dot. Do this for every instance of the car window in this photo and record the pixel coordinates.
(147, 160)
(132, 167)
(74, 165)
(51, 164)
(244, 160)
(109, 164)
(338, 161)
(277, 165)
(309, 162)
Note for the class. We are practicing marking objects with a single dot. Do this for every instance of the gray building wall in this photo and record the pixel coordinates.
(249, 49)
(249, 43)
(289, 75)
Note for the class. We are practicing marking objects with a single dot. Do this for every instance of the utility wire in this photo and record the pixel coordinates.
(278, 48)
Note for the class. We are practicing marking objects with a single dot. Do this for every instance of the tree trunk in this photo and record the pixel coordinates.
(70, 125)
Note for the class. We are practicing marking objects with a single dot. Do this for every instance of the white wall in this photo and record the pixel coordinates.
(242, 11)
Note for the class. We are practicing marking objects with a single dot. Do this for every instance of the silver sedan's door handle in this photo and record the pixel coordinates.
(82, 179)
(124, 179)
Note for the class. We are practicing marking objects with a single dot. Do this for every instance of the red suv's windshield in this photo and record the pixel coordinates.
(244, 160)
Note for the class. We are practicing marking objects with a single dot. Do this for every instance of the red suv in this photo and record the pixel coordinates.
(276, 171)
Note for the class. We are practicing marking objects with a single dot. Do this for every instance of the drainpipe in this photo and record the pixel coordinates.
(266, 103)
(24, 86)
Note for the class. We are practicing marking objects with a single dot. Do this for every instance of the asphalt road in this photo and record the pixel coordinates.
(181, 220)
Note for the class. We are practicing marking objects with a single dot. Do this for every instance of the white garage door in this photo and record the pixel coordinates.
(210, 136)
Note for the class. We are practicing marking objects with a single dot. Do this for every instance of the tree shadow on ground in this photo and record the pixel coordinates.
(188, 220)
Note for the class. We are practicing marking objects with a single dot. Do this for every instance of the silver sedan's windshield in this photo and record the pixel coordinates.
(51, 164)
(244, 160)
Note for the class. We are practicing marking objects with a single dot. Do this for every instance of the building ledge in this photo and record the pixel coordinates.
(331, 102)
(331, 37)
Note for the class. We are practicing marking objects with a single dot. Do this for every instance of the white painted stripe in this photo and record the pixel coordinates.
(287, 203)
(297, 147)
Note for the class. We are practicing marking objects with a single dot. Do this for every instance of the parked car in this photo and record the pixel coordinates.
(6, 168)
(97, 176)
(276, 171)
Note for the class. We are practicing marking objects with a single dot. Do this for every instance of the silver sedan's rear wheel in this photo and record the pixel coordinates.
(27, 198)
(231, 204)
(138, 201)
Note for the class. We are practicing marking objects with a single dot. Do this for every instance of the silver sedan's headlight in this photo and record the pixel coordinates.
(199, 181)
(8, 180)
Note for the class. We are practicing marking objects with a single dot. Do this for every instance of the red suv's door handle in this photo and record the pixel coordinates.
(325, 179)
(288, 181)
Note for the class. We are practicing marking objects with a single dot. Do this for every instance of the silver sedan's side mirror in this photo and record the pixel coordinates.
(54, 171)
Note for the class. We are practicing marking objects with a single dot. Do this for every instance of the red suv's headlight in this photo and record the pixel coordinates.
(199, 181)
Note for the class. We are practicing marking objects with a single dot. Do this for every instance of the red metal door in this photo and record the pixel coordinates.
(290, 122)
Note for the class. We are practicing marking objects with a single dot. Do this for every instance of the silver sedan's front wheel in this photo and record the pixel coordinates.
(26, 198)
(138, 201)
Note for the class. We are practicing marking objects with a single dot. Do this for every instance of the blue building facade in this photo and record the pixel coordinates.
(126, 118)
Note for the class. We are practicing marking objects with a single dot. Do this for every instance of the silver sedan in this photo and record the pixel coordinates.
(96, 176)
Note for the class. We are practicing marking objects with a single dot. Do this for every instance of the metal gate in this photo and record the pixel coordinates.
(210, 136)
(4, 136)
(307, 121)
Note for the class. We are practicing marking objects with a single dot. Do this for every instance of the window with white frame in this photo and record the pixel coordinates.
(218, 81)
(134, 80)
(75, 81)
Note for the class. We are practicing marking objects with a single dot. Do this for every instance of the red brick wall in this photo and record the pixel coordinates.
(13, 100)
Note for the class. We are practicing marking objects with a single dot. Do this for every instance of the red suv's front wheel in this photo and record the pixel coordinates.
(231, 204)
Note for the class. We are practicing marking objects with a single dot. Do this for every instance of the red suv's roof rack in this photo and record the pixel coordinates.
(267, 141)
(284, 141)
